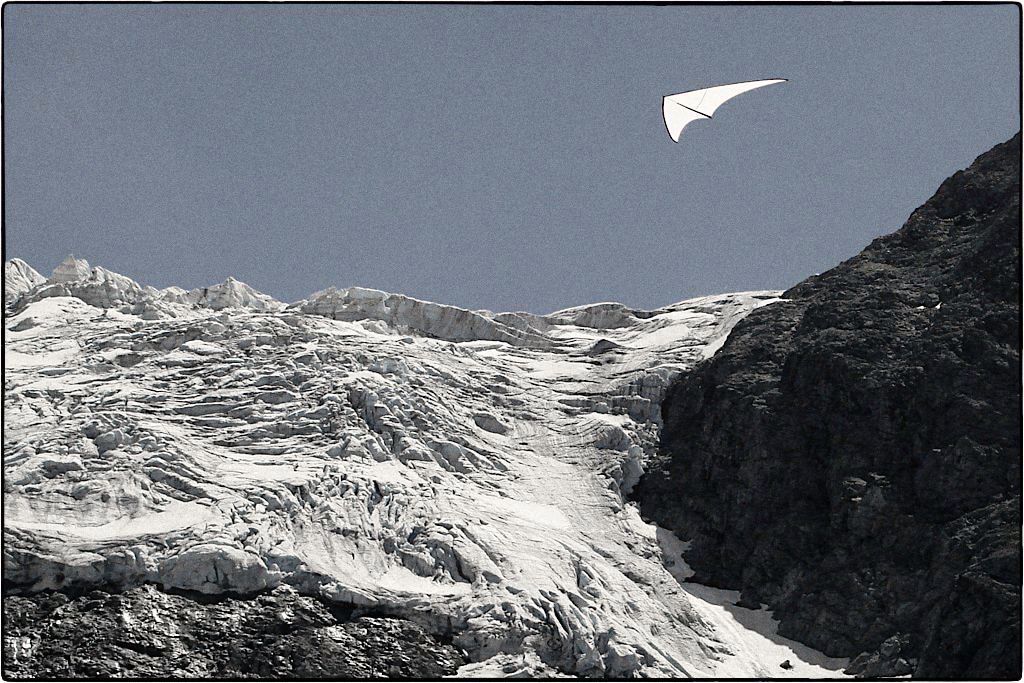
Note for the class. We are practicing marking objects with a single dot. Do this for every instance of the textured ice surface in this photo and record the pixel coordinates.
(459, 468)
(19, 277)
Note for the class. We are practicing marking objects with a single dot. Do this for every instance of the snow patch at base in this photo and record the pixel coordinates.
(750, 634)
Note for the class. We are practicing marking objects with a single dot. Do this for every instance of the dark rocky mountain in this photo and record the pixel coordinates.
(852, 455)
(146, 633)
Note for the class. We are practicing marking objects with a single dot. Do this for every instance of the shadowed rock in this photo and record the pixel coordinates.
(851, 456)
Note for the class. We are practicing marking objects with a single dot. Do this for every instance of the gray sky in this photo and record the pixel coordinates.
(510, 158)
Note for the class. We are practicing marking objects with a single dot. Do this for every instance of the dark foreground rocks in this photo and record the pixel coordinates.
(852, 455)
(146, 633)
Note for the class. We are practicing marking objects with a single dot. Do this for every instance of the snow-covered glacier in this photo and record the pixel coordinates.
(462, 469)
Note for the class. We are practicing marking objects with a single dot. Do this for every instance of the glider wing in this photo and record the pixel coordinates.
(677, 116)
(682, 108)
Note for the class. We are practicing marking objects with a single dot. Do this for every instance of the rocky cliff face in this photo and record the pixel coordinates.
(851, 456)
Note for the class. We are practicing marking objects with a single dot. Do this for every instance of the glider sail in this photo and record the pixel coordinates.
(682, 108)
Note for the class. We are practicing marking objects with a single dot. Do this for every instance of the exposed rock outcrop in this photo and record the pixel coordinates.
(144, 633)
(852, 455)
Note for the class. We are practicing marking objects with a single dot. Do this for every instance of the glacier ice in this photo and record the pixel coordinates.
(19, 277)
(462, 469)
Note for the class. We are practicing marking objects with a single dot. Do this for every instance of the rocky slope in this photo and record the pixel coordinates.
(852, 455)
(145, 633)
(462, 471)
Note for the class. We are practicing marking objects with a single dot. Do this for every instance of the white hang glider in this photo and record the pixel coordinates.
(682, 108)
